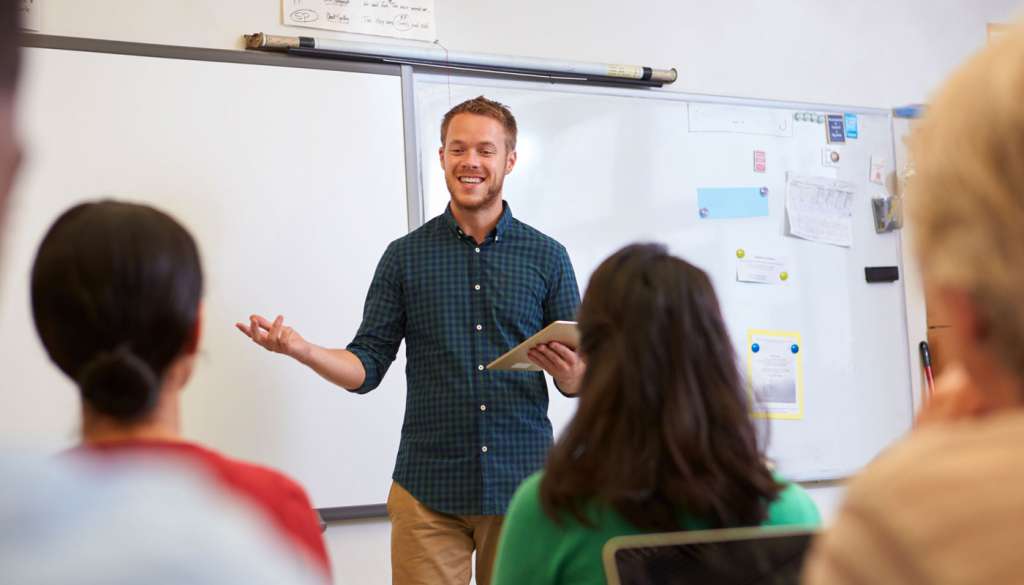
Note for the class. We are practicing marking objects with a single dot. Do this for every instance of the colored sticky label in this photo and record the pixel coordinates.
(851, 125)
(760, 161)
(731, 203)
(836, 128)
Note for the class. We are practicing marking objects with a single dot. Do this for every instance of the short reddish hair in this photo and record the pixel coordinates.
(482, 106)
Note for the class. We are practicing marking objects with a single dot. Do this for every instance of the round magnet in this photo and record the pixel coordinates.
(704, 212)
(740, 253)
(783, 276)
(834, 156)
(794, 348)
(763, 191)
(755, 348)
(821, 119)
(796, 116)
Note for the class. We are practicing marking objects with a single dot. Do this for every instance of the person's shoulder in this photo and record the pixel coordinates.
(532, 234)
(255, 477)
(954, 457)
(423, 233)
(793, 506)
(527, 495)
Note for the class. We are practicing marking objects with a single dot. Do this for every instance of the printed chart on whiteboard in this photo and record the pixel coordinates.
(405, 19)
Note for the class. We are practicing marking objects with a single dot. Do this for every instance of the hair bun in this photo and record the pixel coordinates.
(120, 384)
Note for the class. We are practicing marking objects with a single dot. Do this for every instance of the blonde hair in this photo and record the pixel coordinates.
(482, 106)
(966, 199)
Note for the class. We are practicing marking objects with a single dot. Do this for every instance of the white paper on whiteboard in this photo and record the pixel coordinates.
(740, 120)
(820, 209)
(775, 373)
(404, 19)
(761, 269)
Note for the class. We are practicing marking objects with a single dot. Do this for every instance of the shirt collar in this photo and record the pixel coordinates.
(500, 230)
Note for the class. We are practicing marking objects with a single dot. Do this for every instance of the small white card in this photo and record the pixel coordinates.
(830, 156)
(761, 269)
(877, 173)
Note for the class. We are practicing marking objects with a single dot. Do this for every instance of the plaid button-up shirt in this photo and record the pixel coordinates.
(470, 435)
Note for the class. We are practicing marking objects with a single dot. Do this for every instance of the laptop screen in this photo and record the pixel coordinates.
(744, 556)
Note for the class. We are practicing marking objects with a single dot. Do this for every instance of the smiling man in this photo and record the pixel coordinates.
(461, 290)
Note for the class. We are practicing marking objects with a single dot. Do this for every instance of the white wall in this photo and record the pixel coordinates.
(871, 53)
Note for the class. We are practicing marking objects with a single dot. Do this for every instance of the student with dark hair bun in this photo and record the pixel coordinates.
(662, 439)
(116, 291)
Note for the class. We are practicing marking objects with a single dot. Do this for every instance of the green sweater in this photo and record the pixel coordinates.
(533, 549)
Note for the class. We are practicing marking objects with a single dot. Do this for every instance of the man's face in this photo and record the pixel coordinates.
(475, 161)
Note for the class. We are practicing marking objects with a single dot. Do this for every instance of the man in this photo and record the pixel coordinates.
(462, 289)
(946, 505)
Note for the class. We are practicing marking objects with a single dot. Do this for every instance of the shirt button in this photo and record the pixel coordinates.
(483, 449)
(479, 327)
(496, 238)
(476, 287)
(480, 367)
(477, 250)
(483, 407)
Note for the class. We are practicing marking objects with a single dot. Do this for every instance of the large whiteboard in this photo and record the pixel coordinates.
(601, 168)
(293, 182)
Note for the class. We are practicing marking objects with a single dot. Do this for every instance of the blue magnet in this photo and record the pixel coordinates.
(703, 211)
(755, 348)
(764, 191)
(794, 348)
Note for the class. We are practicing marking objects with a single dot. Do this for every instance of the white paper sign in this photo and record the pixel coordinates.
(760, 269)
(774, 366)
(739, 120)
(405, 19)
(877, 172)
(29, 13)
(820, 209)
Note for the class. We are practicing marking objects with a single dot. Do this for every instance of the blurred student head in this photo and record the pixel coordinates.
(10, 150)
(966, 209)
(116, 290)
(663, 421)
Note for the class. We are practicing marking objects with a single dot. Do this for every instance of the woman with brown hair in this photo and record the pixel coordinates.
(662, 439)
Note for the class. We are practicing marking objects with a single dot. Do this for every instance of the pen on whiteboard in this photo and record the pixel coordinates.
(926, 361)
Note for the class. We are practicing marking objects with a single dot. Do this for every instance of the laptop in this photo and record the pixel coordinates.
(730, 556)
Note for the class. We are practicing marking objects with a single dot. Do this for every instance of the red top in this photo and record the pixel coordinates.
(284, 501)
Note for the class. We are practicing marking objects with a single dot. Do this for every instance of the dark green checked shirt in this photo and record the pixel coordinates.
(470, 435)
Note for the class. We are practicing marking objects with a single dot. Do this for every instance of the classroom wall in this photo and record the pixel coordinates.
(870, 53)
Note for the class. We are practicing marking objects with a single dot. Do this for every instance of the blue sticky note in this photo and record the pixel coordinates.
(836, 128)
(851, 125)
(730, 203)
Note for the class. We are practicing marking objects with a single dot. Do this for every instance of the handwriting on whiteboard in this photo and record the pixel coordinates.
(406, 19)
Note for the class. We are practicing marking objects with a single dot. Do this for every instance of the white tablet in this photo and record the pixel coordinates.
(564, 332)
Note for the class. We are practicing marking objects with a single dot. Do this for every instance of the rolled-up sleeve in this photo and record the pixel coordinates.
(383, 327)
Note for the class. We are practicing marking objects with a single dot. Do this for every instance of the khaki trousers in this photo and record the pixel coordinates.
(431, 548)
